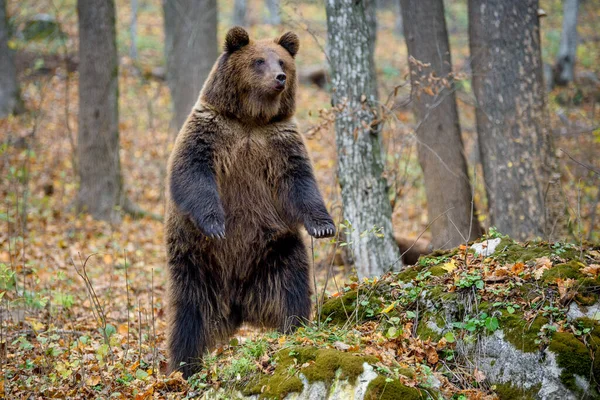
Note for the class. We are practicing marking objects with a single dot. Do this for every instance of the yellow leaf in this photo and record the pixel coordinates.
(389, 308)
(450, 265)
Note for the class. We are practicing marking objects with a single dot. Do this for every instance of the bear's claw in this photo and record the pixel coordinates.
(322, 230)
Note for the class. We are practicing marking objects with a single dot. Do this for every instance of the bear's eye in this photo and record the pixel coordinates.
(259, 62)
(281, 63)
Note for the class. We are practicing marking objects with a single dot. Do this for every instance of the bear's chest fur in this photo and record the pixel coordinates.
(248, 164)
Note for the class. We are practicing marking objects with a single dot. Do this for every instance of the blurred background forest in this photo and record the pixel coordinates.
(73, 286)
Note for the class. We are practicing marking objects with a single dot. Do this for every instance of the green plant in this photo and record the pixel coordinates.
(479, 323)
(468, 280)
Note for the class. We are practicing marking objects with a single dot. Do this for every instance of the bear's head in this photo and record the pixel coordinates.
(254, 81)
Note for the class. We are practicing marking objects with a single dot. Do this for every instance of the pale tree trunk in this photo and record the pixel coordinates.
(190, 50)
(564, 68)
(516, 149)
(240, 10)
(360, 165)
(100, 181)
(274, 16)
(10, 99)
(399, 22)
(133, 53)
(440, 147)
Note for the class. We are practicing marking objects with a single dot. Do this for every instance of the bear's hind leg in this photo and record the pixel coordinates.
(199, 316)
(279, 294)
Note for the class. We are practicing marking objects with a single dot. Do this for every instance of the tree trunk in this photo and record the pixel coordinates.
(516, 150)
(360, 165)
(274, 16)
(240, 10)
(564, 68)
(133, 53)
(398, 23)
(10, 99)
(440, 147)
(100, 181)
(190, 50)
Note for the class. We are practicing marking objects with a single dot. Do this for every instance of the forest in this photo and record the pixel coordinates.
(455, 143)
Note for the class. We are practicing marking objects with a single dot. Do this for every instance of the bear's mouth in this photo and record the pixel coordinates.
(279, 86)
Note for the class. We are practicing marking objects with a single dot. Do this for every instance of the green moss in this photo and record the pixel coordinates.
(407, 372)
(506, 391)
(379, 389)
(278, 385)
(338, 309)
(521, 333)
(275, 386)
(409, 274)
(424, 331)
(586, 299)
(437, 270)
(512, 252)
(439, 293)
(572, 356)
(569, 270)
(328, 361)
(323, 366)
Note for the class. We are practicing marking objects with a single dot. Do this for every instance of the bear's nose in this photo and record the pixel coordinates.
(280, 78)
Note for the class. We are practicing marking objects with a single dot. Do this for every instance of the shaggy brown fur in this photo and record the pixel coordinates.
(240, 184)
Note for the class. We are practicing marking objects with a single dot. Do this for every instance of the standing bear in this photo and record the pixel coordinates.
(240, 185)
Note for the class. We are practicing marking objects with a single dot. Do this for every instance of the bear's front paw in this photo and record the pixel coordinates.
(320, 228)
(213, 226)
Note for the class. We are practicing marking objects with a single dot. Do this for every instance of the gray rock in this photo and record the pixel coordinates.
(487, 247)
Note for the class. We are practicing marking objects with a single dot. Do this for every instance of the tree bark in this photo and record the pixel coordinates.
(133, 53)
(240, 10)
(360, 165)
(399, 22)
(190, 50)
(516, 149)
(100, 180)
(10, 98)
(274, 12)
(440, 146)
(564, 68)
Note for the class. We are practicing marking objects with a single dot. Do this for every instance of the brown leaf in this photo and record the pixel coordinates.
(478, 375)
(432, 355)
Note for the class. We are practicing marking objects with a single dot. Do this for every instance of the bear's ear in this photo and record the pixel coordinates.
(236, 38)
(290, 42)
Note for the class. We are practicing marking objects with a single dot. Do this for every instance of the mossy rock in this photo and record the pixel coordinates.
(409, 274)
(513, 252)
(506, 391)
(572, 356)
(382, 388)
(569, 270)
(325, 365)
(339, 309)
(522, 333)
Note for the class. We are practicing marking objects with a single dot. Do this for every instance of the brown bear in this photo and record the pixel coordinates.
(240, 185)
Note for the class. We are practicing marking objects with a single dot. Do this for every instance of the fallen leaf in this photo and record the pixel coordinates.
(341, 346)
(450, 265)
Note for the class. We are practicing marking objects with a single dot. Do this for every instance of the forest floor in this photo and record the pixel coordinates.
(82, 301)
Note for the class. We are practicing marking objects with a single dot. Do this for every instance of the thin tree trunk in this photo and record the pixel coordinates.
(399, 22)
(274, 16)
(440, 147)
(360, 164)
(516, 150)
(240, 11)
(191, 50)
(564, 68)
(10, 99)
(100, 181)
(133, 53)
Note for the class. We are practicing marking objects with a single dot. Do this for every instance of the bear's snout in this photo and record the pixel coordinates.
(280, 81)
